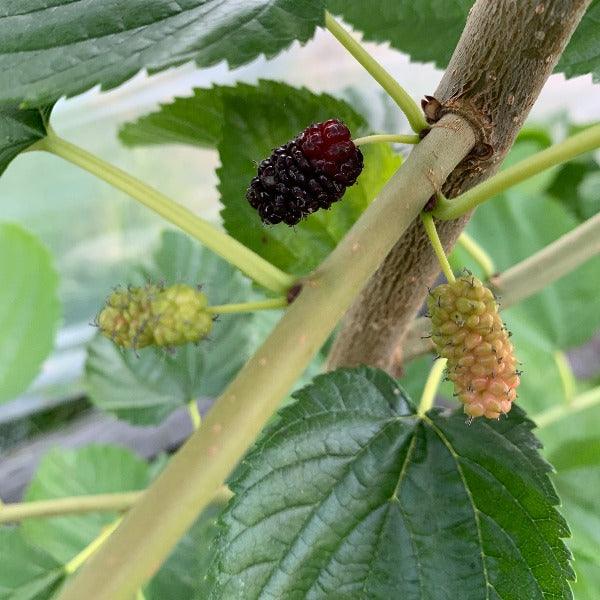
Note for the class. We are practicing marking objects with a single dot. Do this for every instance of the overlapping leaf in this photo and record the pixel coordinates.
(62, 48)
(20, 129)
(351, 495)
(29, 308)
(27, 573)
(429, 30)
(246, 122)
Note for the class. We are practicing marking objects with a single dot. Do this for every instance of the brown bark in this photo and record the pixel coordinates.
(505, 54)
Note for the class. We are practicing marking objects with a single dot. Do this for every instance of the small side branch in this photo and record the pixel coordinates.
(408, 106)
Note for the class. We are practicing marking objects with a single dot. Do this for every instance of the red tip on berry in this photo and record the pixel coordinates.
(310, 172)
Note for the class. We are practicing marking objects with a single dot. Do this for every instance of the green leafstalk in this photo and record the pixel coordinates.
(561, 411)
(566, 375)
(478, 254)
(436, 244)
(431, 385)
(580, 143)
(195, 416)
(388, 138)
(92, 547)
(268, 304)
(250, 263)
(408, 106)
(15, 512)
(188, 482)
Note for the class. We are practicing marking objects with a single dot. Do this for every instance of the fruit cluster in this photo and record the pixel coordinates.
(468, 331)
(154, 315)
(308, 173)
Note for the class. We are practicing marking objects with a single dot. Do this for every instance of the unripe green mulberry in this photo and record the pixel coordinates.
(155, 316)
(468, 331)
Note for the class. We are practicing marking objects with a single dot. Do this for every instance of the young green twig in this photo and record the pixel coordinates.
(408, 106)
(250, 263)
(478, 254)
(561, 411)
(453, 208)
(268, 304)
(431, 385)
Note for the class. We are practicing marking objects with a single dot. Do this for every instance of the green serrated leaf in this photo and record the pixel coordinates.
(29, 308)
(27, 572)
(89, 470)
(405, 24)
(582, 55)
(351, 495)
(144, 388)
(115, 39)
(20, 129)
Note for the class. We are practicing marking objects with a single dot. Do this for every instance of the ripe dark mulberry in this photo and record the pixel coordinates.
(468, 331)
(308, 173)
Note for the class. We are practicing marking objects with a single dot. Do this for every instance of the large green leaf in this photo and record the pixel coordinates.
(63, 47)
(351, 495)
(582, 55)
(27, 573)
(429, 30)
(89, 470)
(29, 308)
(246, 122)
(143, 388)
(20, 129)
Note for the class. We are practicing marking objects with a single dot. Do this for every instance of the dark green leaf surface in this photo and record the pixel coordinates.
(145, 388)
(582, 55)
(405, 24)
(19, 129)
(351, 495)
(63, 47)
(89, 470)
(246, 122)
(27, 573)
(29, 308)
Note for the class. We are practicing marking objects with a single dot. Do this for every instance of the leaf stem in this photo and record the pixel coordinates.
(194, 413)
(75, 505)
(80, 558)
(268, 304)
(579, 143)
(250, 263)
(478, 254)
(436, 244)
(14, 512)
(408, 106)
(391, 138)
(560, 411)
(431, 385)
(566, 375)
